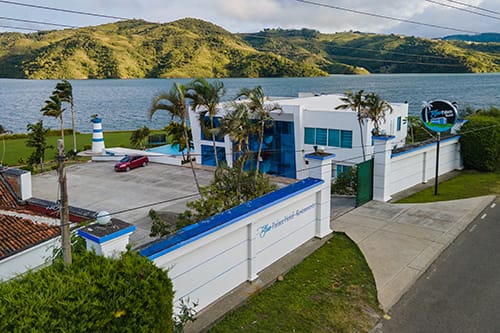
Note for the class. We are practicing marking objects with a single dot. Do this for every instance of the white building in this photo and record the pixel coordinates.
(305, 122)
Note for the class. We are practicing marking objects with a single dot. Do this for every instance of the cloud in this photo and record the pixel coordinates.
(252, 16)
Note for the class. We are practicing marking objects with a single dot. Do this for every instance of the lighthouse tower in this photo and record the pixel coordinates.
(97, 136)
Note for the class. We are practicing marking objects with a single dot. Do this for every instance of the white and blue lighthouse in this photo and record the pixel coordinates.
(97, 136)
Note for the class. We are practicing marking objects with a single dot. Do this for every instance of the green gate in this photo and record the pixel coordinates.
(365, 182)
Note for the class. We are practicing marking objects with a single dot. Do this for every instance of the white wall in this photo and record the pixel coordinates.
(210, 264)
(394, 173)
(35, 257)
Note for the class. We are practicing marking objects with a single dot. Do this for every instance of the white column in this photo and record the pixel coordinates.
(382, 167)
(97, 136)
(320, 167)
(107, 240)
(251, 253)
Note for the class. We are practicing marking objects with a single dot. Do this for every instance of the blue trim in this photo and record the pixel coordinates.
(206, 227)
(96, 130)
(96, 120)
(424, 146)
(97, 139)
(321, 158)
(106, 238)
(383, 138)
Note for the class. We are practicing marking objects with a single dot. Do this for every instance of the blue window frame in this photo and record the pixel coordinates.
(342, 169)
(334, 138)
(309, 136)
(346, 139)
(398, 125)
(321, 134)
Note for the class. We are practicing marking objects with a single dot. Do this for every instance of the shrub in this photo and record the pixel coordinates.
(94, 294)
(480, 141)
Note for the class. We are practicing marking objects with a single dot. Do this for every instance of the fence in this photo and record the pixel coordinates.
(395, 172)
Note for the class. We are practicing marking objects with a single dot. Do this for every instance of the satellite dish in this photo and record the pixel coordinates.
(103, 217)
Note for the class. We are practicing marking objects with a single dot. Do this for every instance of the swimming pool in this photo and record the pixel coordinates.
(167, 150)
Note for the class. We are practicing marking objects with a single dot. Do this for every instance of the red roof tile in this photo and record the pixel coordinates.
(18, 234)
(7, 199)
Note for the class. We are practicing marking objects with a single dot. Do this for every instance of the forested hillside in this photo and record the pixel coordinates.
(195, 48)
(355, 52)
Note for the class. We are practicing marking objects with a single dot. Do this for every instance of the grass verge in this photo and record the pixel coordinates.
(332, 290)
(466, 185)
(16, 152)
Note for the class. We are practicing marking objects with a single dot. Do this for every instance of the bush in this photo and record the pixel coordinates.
(94, 294)
(346, 183)
(480, 141)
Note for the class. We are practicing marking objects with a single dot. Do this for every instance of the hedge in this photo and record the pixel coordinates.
(94, 294)
(480, 142)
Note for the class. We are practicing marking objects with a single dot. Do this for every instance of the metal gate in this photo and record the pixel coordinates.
(365, 182)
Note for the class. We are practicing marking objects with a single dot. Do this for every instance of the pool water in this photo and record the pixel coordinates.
(167, 150)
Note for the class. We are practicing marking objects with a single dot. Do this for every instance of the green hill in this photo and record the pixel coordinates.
(489, 37)
(355, 52)
(195, 48)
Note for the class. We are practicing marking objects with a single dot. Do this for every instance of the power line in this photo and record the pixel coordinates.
(18, 28)
(462, 9)
(386, 17)
(63, 10)
(475, 7)
(37, 22)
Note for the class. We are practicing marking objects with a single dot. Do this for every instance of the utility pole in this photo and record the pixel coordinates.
(64, 210)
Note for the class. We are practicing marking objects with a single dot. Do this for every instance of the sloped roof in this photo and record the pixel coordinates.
(7, 198)
(18, 234)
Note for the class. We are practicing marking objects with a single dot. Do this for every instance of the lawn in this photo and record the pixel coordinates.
(466, 185)
(332, 290)
(17, 153)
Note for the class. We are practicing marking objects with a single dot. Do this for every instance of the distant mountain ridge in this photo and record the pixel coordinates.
(490, 37)
(194, 48)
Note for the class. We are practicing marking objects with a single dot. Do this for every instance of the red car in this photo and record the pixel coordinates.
(131, 162)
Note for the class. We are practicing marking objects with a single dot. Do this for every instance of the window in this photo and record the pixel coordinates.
(328, 137)
(310, 136)
(321, 136)
(206, 134)
(342, 169)
(398, 126)
(346, 139)
(207, 155)
(334, 138)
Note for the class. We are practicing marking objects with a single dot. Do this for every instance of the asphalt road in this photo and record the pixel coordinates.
(460, 292)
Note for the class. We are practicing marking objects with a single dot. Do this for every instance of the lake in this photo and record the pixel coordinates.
(123, 104)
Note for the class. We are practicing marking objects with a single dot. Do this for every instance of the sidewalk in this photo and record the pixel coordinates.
(400, 241)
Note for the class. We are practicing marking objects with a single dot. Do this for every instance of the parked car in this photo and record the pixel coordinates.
(131, 162)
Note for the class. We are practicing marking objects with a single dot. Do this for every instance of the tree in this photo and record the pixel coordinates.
(65, 92)
(53, 108)
(138, 136)
(3, 131)
(208, 96)
(357, 103)
(37, 139)
(377, 109)
(480, 140)
(260, 113)
(174, 102)
(238, 125)
(175, 136)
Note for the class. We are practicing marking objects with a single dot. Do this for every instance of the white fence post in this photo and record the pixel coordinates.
(382, 167)
(320, 167)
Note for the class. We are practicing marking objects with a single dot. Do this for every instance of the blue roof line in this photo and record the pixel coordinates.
(198, 230)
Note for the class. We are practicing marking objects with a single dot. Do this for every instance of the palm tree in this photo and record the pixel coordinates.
(356, 102)
(138, 136)
(174, 102)
(175, 137)
(37, 139)
(207, 95)
(238, 125)
(376, 110)
(65, 92)
(53, 108)
(260, 113)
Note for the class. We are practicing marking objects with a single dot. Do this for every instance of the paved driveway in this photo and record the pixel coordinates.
(96, 186)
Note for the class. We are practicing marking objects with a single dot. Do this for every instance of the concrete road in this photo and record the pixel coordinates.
(460, 292)
(96, 186)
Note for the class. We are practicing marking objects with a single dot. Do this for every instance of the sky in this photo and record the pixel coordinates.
(256, 15)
